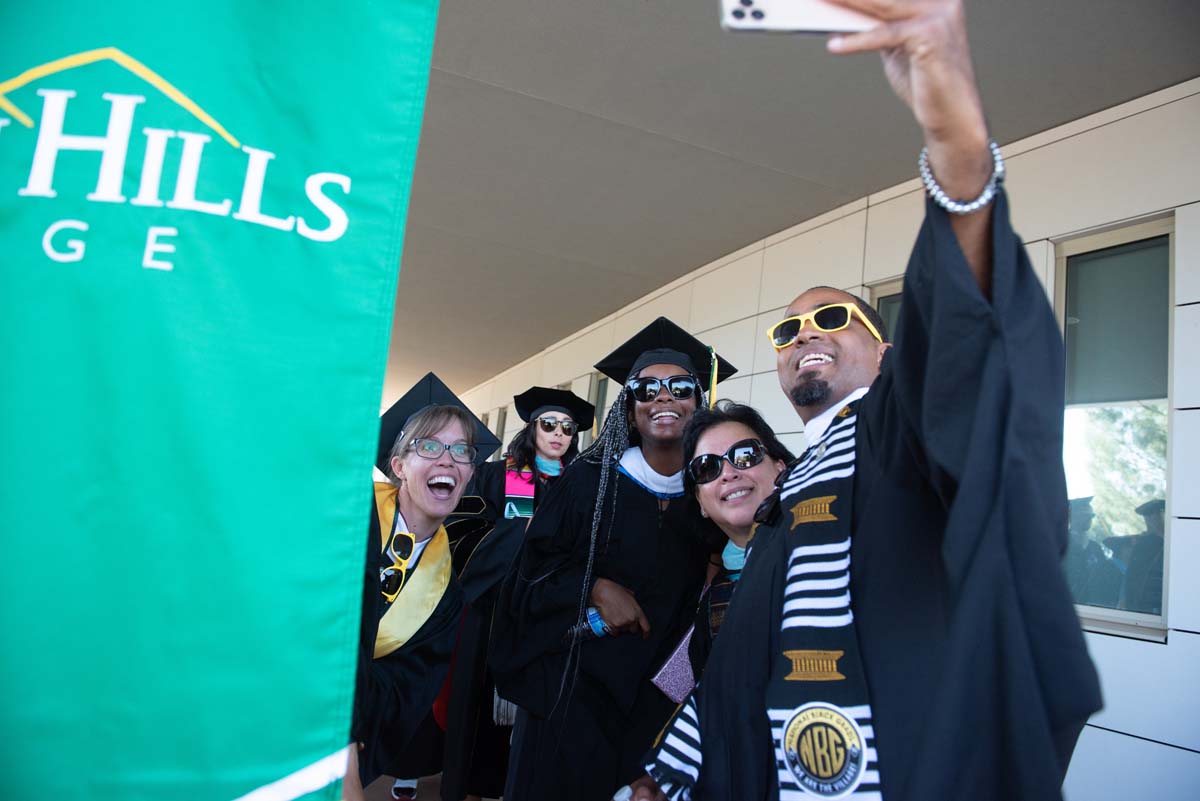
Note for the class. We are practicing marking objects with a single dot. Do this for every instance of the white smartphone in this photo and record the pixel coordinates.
(792, 16)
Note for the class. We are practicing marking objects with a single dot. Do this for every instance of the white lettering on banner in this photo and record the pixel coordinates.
(157, 163)
(338, 221)
(112, 146)
(250, 209)
(77, 247)
(189, 174)
(153, 246)
(152, 164)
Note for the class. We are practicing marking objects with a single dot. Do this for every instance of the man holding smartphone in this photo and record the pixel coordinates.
(902, 629)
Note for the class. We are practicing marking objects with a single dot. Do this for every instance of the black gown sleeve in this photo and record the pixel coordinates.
(483, 561)
(539, 599)
(393, 694)
(972, 393)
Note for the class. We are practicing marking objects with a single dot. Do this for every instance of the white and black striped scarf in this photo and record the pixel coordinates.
(816, 696)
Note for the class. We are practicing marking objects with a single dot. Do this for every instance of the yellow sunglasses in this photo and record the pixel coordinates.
(829, 318)
(391, 578)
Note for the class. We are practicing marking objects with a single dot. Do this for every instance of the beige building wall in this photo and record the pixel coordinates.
(1137, 161)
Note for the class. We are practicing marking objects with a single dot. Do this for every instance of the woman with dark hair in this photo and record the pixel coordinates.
(479, 721)
(606, 582)
(733, 459)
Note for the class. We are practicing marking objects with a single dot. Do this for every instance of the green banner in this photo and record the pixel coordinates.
(201, 215)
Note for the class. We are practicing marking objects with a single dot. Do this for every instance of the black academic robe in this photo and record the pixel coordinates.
(710, 614)
(476, 752)
(977, 670)
(394, 693)
(586, 729)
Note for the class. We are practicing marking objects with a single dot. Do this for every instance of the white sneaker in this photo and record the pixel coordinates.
(404, 789)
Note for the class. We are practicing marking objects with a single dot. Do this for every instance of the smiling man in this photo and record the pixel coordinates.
(902, 629)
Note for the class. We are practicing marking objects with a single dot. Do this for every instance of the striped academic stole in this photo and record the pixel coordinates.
(817, 696)
(519, 488)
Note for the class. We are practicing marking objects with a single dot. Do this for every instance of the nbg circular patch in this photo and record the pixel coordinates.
(824, 750)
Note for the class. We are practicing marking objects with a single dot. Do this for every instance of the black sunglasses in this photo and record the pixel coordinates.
(548, 424)
(743, 455)
(646, 389)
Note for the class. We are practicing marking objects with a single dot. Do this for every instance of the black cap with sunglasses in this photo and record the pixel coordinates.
(537, 403)
(428, 391)
(663, 342)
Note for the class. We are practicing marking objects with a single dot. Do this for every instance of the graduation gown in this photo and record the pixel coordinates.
(586, 730)
(476, 752)
(976, 667)
(400, 670)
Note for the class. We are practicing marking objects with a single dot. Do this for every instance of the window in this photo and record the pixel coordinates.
(597, 396)
(1115, 302)
(886, 300)
(501, 418)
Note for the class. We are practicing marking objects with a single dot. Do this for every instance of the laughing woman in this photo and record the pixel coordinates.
(429, 444)
(605, 583)
(733, 459)
(479, 725)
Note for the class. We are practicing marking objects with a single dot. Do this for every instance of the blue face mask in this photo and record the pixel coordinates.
(733, 557)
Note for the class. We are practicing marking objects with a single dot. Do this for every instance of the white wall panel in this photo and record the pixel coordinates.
(1186, 368)
(1183, 602)
(1137, 165)
(577, 356)
(1041, 256)
(891, 231)
(831, 255)
(581, 384)
(1150, 689)
(736, 389)
(764, 354)
(735, 342)
(516, 381)
(726, 294)
(817, 222)
(1187, 252)
(676, 305)
(478, 399)
(1112, 767)
(794, 442)
(772, 404)
(1185, 465)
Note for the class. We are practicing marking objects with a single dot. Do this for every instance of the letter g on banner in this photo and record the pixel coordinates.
(76, 247)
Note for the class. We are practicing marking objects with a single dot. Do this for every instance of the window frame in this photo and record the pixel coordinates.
(885, 289)
(501, 419)
(1099, 619)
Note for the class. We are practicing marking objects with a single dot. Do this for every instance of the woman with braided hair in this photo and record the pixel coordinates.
(606, 582)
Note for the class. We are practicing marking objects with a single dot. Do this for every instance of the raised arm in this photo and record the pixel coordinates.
(928, 63)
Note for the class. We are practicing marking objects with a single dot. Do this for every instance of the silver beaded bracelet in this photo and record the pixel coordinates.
(953, 206)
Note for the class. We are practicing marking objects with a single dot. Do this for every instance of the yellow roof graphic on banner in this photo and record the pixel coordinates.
(128, 62)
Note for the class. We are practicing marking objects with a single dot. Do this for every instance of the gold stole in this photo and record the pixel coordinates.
(422, 590)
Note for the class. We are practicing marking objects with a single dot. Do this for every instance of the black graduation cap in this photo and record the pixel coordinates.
(536, 400)
(428, 391)
(663, 342)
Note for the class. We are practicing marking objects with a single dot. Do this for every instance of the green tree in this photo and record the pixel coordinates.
(1128, 444)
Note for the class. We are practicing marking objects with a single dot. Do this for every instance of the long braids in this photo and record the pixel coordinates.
(606, 451)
